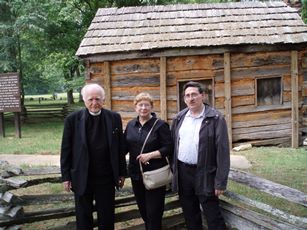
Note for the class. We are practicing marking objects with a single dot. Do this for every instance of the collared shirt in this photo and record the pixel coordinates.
(95, 114)
(189, 137)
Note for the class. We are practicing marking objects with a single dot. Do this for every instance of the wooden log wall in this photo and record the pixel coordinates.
(192, 68)
(252, 123)
(259, 125)
(303, 72)
(126, 79)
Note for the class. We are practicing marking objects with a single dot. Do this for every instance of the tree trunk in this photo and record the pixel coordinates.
(70, 97)
(22, 92)
(79, 89)
(80, 95)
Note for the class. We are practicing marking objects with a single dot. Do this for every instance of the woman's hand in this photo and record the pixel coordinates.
(145, 157)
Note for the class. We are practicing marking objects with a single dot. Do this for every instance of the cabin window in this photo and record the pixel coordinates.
(269, 91)
(208, 89)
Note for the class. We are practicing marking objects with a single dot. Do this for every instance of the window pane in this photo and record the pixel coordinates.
(269, 91)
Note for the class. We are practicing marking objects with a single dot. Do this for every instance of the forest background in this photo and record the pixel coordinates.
(39, 38)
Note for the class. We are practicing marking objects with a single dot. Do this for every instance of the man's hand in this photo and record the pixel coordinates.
(121, 181)
(219, 192)
(67, 186)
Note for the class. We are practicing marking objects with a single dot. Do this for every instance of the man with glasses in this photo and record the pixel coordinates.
(201, 159)
(92, 159)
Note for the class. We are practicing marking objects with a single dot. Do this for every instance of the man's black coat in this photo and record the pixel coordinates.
(74, 150)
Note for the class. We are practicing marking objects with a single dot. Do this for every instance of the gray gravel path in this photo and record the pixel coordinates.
(236, 161)
(31, 160)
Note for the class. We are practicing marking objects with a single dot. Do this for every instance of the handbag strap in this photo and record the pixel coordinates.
(148, 135)
(141, 168)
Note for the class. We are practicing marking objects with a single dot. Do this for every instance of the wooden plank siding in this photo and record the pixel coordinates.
(235, 97)
(163, 92)
(303, 74)
(294, 97)
(252, 123)
(197, 67)
(107, 85)
(130, 77)
(228, 111)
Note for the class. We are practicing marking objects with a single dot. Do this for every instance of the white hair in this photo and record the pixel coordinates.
(92, 86)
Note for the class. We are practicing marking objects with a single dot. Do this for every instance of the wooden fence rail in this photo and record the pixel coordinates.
(47, 111)
(238, 210)
(44, 111)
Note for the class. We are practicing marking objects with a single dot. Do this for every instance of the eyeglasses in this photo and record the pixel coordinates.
(191, 96)
(143, 105)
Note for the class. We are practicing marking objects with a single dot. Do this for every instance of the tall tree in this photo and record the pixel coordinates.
(62, 37)
(18, 21)
(39, 38)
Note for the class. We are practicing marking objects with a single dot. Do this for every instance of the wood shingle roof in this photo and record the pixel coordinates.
(192, 25)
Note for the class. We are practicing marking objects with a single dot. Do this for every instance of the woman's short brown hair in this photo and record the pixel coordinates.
(143, 96)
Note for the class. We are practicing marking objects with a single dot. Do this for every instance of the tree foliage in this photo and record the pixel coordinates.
(304, 11)
(39, 38)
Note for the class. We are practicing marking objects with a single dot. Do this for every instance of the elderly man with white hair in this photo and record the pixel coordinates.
(92, 159)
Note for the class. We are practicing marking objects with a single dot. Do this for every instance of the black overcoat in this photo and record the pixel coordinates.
(74, 149)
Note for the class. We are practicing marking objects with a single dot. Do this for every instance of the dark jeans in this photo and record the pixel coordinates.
(150, 204)
(104, 197)
(191, 202)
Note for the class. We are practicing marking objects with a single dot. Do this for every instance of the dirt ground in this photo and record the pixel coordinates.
(31, 160)
(236, 161)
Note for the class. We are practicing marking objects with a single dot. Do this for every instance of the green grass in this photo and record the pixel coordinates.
(286, 166)
(265, 198)
(62, 96)
(48, 99)
(39, 137)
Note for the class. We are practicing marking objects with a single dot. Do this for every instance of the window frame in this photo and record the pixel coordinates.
(256, 90)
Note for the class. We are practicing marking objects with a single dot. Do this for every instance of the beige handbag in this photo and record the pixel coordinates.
(158, 177)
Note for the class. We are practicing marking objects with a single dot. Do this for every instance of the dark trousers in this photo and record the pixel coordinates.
(104, 197)
(150, 204)
(191, 202)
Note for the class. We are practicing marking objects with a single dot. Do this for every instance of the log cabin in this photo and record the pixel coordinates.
(250, 56)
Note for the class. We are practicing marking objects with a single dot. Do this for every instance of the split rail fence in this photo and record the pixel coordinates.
(240, 212)
(47, 110)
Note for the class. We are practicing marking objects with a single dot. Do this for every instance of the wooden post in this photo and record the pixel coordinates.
(163, 98)
(107, 84)
(294, 96)
(2, 129)
(227, 88)
(17, 124)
